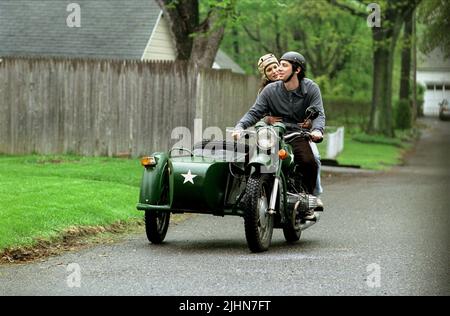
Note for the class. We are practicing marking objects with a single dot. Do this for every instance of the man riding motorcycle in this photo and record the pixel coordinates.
(288, 99)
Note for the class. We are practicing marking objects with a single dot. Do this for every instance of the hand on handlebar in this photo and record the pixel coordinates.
(236, 134)
(316, 136)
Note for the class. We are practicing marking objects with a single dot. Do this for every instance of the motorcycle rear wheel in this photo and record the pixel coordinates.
(258, 223)
(291, 230)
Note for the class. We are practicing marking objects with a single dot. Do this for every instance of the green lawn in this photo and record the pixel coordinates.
(370, 152)
(42, 196)
(370, 156)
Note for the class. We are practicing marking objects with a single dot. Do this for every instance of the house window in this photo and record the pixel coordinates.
(447, 87)
(438, 87)
(430, 86)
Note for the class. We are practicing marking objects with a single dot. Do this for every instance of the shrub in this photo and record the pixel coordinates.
(403, 115)
(420, 99)
(347, 111)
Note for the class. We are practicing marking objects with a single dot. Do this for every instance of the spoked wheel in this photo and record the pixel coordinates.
(156, 225)
(258, 223)
(157, 222)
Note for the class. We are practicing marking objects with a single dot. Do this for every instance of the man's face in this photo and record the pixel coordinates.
(272, 72)
(285, 70)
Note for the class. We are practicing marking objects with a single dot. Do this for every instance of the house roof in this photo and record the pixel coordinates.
(434, 61)
(223, 61)
(109, 28)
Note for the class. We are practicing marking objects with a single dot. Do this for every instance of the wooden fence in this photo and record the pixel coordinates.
(108, 108)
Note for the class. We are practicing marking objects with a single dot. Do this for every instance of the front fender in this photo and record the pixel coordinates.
(152, 181)
(261, 160)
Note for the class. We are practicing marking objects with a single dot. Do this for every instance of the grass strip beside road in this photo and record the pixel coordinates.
(41, 197)
(371, 156)
(372, 152)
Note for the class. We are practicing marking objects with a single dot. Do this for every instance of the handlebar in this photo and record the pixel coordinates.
(244, 131)
(303, 134)
(180, 149)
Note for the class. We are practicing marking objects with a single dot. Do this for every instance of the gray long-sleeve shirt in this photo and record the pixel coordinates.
(291, 106)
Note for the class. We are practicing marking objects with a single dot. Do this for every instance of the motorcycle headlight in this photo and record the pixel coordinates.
(266, 138)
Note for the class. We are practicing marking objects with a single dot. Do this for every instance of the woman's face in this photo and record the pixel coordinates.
(272, 72)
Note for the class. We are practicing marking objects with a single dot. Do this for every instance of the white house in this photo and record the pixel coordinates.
(105, 29)
(433, 72)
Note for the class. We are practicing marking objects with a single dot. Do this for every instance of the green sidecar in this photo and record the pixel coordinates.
(228, 178)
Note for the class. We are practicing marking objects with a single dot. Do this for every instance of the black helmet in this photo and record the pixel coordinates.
(295, 59)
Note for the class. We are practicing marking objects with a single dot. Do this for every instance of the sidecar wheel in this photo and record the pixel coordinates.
(156, 225)
(258, 223)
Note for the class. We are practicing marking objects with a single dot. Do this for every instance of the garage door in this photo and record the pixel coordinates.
(432, 98)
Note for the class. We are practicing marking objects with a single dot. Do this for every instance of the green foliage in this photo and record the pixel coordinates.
(378, 139)
(334, 38)
(224, 9)
(337, 45)
(403, 115)
(434, 14)
(350, 112)
(420, 99)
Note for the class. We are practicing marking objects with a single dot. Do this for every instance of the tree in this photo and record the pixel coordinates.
(406, 57)
(325, 36)
(434, 14)
(195, 39)
(384, 38)
(256, 30)
(405, 72)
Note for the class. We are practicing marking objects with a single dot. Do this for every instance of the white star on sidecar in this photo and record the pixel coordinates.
(189, 177)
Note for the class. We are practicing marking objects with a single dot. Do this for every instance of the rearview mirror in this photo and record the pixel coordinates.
(312, 112)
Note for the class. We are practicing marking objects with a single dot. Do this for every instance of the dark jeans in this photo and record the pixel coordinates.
(307, 165)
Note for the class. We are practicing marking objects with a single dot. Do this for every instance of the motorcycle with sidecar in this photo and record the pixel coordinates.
(260, 183)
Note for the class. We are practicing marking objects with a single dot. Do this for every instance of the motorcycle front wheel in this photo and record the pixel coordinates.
(258, 223)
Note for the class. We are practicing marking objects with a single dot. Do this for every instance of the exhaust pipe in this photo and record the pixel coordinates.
(306, 202)
(308, 224)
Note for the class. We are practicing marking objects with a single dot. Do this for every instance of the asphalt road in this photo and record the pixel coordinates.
(381, 234)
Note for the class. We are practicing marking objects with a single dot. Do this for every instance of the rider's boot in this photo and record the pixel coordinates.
(319, 207)
(309, 214)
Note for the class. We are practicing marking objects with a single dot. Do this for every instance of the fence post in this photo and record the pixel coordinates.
(335, 143)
